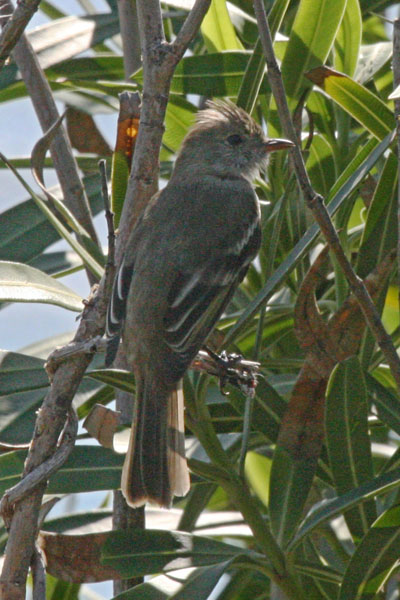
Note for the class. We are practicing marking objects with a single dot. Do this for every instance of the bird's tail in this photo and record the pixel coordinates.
(155, 468)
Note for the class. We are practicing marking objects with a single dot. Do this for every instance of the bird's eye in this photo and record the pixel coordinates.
(235, 139)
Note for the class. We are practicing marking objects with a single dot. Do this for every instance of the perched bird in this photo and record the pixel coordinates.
(185, 257)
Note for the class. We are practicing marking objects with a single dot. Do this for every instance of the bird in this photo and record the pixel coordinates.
(185, 257)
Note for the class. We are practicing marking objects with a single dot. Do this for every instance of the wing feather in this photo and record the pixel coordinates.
(197, 299)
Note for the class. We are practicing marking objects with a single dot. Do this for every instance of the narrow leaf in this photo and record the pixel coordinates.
(329, 509)
(217, 28)
(347, 438)
(136, 553)
(380, 231)
(348, 39)
(21, 283)
(202, 582)
(255, 70)
(87, 469)
(374, 558)
(360, 103)
(218, 74)
(88, 260)
(21, 373)
(118, 378)
(311, 39)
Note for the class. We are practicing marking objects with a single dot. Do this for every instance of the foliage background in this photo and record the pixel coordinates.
(289, 492)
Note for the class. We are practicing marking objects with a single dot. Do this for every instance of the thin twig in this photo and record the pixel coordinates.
(315, 203)
(38, 576)
(15, 22)
(190, 27)
(129, 28)
(44, 470)
(49, 424)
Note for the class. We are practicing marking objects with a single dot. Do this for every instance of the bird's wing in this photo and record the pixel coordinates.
(197, 299)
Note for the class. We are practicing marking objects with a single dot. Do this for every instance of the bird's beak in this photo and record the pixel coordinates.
(277, 144)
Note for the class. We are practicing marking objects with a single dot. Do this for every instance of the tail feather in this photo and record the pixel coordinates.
(177, 466)
(155, 467)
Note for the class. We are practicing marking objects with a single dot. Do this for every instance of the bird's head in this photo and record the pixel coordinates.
(226, 142)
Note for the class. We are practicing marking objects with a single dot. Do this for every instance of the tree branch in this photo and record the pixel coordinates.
(49, 424)
(128, 22)
(16, 22)
(315, 203)
(190, 27)
(159, 61)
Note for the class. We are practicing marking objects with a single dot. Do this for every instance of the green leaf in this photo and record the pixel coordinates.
(87, 258)
(25, 231)
(268, 409)
(290, 484)
(217, 29)
(18, 414)
(76, 520)
(311, 39)
(202, 582)
(136, 553)
(179, 117)
(379, 238)
(348, 39)
(347, 438)
(104, 395)
(87, 469)
(123, 380)
(60, 40)
(321, 165)
(380, 231)
(210, 74)
(119, 183)
(57, 263)
(21, 283)
(257, 470)
(329, 509)
(21, 373)
(145, 591)
(386, 402)
(360, 103)
(23, 385)
(255, 70)
(374, 558)
(101, 67)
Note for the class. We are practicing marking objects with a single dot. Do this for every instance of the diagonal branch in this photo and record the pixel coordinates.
(190, 27)
(159, 61)
(315, 202)
(18, 19)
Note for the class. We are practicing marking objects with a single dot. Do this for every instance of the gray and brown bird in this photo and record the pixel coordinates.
(185, 257)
